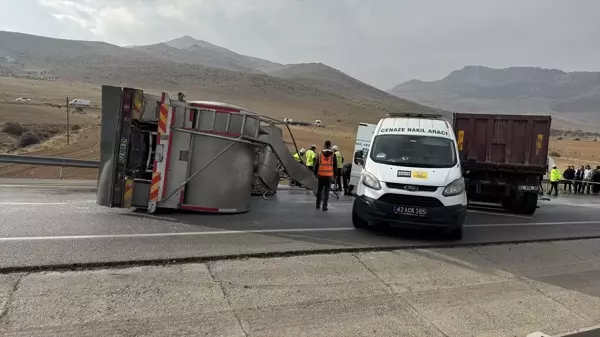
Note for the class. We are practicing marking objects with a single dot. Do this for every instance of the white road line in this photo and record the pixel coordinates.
(115, 236)
(256, 231)
(32, 203)
(50, 186)
(499, 213)
(562, 223)
(68, 203)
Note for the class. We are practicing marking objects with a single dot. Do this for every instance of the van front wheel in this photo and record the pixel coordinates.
(455, 234)
(356, 220)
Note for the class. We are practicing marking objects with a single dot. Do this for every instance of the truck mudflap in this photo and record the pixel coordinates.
(119, 107)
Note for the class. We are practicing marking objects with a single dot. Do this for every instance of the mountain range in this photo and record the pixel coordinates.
(302, 91)
(510, 90)
(204, 71)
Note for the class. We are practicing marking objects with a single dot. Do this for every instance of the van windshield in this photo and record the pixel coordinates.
(413, 151)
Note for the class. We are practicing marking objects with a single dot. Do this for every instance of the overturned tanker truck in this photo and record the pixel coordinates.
(158, 152)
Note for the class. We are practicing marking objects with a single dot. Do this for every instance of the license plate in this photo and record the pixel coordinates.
(419, 174)
(528, 188)
(408, 210)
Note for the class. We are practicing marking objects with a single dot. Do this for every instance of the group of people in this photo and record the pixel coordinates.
(583, 180)
(329, 168)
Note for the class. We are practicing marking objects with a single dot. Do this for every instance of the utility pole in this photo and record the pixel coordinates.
(68, 121)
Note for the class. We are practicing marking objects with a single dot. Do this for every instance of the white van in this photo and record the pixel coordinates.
(80, 102)
(411, 176)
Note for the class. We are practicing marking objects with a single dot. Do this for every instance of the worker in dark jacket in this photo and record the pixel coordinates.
(596, 180)
(325, 164)
(346, 172)
(569, 176)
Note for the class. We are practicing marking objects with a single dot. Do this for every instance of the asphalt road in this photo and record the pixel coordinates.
(57, 224)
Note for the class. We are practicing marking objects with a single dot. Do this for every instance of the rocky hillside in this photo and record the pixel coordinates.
(301, 91)
(189, 50)
(516, 89)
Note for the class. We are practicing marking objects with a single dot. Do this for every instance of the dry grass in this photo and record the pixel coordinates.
(57, 142)
(40, 91)
(576, 153)
(85, 145)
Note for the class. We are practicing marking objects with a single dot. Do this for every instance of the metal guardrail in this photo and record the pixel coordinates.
(47, 161)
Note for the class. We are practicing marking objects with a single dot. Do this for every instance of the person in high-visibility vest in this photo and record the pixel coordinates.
(555, 176)
(310, 157)
(299, 157)
(338, 169)
(324, 168)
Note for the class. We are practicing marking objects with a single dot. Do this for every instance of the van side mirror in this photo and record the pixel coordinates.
(359, 158)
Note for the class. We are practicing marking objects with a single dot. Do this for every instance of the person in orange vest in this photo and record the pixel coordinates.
(325, 164)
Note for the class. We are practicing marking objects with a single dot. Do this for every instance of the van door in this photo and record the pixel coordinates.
(364, 135)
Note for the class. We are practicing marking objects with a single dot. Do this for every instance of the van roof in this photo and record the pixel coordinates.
(428, 126)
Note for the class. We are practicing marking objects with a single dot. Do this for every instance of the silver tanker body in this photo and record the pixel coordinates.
(225, 185)
(267, 176)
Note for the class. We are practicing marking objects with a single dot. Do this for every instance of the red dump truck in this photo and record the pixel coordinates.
(503, 157)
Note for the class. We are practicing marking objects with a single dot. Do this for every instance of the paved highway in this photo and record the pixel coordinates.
(56, 224)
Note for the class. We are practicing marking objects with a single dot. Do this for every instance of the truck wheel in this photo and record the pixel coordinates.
(455, 234)
(356, 220)
(529, 204)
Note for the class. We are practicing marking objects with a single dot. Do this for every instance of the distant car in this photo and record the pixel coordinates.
(23, 100)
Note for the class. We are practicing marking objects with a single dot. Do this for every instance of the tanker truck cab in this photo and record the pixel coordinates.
(411, 176)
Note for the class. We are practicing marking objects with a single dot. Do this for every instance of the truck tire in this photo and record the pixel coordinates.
(356, 220)
(528, 205)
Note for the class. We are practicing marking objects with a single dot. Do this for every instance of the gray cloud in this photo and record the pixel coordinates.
(382, 42)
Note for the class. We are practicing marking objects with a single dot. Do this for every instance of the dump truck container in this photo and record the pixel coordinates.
(503, 157)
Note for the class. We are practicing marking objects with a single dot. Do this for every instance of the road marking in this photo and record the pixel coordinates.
(499, 213)
(115, 236)
(562, 223)
(70, 202)
(50, 186)
(258, 231)
(32, 203)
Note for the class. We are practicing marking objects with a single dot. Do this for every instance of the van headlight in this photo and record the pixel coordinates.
(370, 181)
(454, 188)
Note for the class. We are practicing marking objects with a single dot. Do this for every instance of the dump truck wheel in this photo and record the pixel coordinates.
(529, 204)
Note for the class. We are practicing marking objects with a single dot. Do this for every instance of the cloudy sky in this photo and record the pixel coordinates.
(382, 42)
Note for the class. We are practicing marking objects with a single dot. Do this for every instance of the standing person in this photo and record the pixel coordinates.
(579, 180)
(596, 181)
(346, 172)
(324, 167)
(568, 176)
(299, 157)
(554, 179)
(587, 178)
(338, 169)
(310, 157)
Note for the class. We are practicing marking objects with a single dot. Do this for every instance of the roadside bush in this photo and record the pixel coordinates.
(13, 129)
(554, 154)
(576, 139)
(75, 127)
(29, 138)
